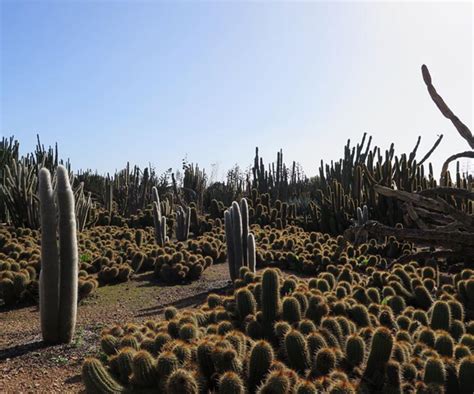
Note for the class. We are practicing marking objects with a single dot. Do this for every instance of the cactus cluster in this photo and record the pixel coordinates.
(107, 255)
(351, 329)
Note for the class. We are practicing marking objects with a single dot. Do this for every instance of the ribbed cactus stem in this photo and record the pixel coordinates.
(237, 235)
(230, 245)
(251, 253)
(59, 274)
(97, 379)
(49, 275)
(68, 256)
(183, 220)
(244, 211)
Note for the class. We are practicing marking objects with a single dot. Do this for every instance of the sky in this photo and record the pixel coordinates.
(156, 82)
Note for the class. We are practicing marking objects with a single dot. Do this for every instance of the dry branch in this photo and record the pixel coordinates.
(445, 110)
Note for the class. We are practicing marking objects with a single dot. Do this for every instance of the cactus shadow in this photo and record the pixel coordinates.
(74, 379)
(20, 350)
(194, 300)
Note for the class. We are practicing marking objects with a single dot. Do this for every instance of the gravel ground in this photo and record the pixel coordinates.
(27, 365)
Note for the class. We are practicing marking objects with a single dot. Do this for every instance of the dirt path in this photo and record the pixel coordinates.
(26, 365)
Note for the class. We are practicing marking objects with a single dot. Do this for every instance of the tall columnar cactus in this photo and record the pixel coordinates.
(158, 219)
(237, 237)
(183, 220)
(58, 287)
(251, 253)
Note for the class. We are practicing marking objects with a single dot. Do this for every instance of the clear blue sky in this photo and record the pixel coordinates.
(155, 81)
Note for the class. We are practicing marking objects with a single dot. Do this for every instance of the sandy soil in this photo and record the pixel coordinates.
(27, 365)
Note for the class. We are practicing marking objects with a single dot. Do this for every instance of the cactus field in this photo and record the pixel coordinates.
(357, 279)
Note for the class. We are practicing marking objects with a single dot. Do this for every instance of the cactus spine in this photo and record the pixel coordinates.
(59, 272)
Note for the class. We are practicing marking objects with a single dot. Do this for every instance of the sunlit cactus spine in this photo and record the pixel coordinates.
(183, 220)
(158, 220)
(59, 265)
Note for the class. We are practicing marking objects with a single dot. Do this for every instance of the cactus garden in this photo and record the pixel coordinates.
(236, 197)
(357, 280)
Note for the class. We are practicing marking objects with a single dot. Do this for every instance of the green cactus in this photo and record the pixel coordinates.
(231, 383)
(261, 358)
(237, 237)
(355, 350)
(143, 369)
(251, 253)
(159, 220)
(434, 372)
(109, 344)
(296, 349)
(444, 345)
(182, 382)
(183, 220)
(466, 374)
(97, 379)
(305, 387)
(166, 364)
(380, 351)
(271, 304)
(246, 304)
(226, 360)
(393, 384)
(440, 316)
(59, 269)
(324, 362)
(291, 310)
(277, 382)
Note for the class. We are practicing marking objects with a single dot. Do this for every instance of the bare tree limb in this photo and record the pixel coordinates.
(443, 107)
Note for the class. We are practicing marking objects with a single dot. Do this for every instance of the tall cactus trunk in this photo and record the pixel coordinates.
(158, 219)
(251, 253)
(59, 270)
(49, 275)
(230, 244)
(68, 255)
(238, 238)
